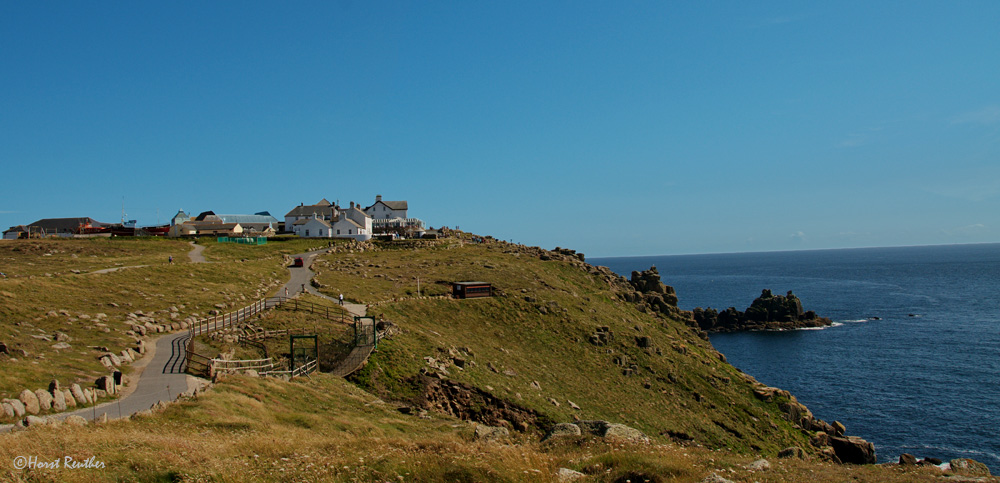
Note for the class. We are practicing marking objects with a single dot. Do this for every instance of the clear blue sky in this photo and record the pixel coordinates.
(616, 128)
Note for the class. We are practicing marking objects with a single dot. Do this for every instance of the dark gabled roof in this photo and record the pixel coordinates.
(65, 224)
(207, 216)
(309, 210)
(392, 205)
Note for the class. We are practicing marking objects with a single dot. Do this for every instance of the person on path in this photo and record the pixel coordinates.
(170, 259)
(286, 292)
(341, 299)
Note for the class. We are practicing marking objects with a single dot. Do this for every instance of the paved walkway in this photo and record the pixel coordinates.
(302, 279)
(159, 375)
(195, 255)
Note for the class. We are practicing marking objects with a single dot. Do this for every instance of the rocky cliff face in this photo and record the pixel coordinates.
(767, 312)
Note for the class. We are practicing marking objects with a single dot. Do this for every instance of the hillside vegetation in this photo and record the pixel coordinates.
(561, 341)
(52, 292)
(531, 345)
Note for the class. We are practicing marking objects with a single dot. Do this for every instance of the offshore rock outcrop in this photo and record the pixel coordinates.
(767, 312)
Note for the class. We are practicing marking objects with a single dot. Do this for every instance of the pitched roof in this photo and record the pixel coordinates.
(309, 210)
(244, 219)
(18, 228)
(348, 220)
(66, 224)
(392, 205)
(321, 222)
(207, 216)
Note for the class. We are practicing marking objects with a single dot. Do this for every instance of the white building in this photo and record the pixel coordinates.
(349, 223)
(324, 210)
(389, 217)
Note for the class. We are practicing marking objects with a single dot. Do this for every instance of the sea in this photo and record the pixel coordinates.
(912, 361)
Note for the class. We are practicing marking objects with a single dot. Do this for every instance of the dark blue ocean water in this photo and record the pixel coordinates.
(925, 379)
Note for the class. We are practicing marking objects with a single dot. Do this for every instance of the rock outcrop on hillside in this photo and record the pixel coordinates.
(767, 312)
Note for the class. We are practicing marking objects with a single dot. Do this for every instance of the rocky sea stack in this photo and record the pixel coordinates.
(767, 312)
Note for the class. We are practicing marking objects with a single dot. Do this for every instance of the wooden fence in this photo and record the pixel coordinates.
(208, 366)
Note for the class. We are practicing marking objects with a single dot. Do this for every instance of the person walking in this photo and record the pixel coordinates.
(170, 259)
(341, 299)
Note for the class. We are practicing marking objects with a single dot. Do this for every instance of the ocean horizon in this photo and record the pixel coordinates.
(911, 362)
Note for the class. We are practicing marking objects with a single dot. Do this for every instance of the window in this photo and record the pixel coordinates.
(338, 232)
(307, 232)
(349, 232)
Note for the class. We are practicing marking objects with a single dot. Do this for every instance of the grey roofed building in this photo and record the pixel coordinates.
(392, 205)
(63, 225)
(208, 216)
(258, 222)
(324, 210)
(179, 218)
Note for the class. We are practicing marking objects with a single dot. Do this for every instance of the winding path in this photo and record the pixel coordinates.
(160, 377)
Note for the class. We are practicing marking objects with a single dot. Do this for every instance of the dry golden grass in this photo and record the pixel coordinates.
(323, 429)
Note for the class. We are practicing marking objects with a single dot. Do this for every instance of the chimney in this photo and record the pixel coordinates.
(352, 204)
(378, 198)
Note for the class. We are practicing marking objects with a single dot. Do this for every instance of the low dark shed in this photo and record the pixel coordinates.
(468, 290)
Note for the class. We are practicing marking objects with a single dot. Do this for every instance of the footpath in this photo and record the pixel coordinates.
(158, 376)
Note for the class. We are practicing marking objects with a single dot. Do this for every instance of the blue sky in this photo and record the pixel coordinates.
(614, 128)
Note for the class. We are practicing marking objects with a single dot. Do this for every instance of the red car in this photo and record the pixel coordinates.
(298, 262)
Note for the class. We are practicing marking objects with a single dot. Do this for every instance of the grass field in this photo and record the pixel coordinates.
(530, 348)
(43, 296)
(322, 429)
(530, 345)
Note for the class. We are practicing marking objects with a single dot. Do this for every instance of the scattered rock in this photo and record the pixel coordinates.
(563, 429)
(625, 433)
(17, 406)
(6, 410)
(907, 459)
(61, 346)
(33, 421)
(566, 474)
(44, 400)
(59, 401)
(68, 397)
(853, 450)
(3, 348)
(793, 452)
(75, 420)
(759, 465)
(61, 337)
(54, 386)
(838, 428)
(573, 405)
(715, 478)
(968, 467)
(30, 401)
(106, 384)
(554, 402)
(491, 433)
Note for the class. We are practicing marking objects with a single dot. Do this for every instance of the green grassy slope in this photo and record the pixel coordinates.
(531, 346)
